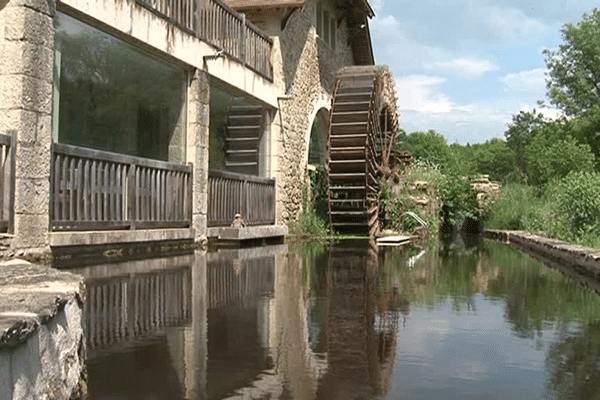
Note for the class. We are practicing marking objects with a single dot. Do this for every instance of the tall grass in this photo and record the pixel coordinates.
(568, 209)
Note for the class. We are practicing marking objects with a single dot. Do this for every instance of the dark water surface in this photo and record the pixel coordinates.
(347, 322)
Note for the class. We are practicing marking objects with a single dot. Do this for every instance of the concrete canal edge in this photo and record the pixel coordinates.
(584, 260)
(42, 345)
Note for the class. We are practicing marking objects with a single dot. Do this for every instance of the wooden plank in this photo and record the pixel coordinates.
(99, 155)
(87, 190)
(63, 188)
(4, 190)
(106, 192)
(93, 190)
(72, 198)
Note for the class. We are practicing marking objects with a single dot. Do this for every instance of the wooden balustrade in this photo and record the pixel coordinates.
(94, 189)
(7, 181)
(217, 24)
(231, 193)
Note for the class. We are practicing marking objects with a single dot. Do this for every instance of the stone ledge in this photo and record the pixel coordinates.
(247, 233)
(87, 238)
(30, 295)
(585, 260)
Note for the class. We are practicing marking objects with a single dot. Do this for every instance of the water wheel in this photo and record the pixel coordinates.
(362, 130)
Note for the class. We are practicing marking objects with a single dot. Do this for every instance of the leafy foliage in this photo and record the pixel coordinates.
(458, 198)
(312, 223)
(578, 204)
(550, 159)
(430, 147)
(574, 71)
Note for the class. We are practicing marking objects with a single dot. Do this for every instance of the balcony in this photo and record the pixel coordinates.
(214, 22)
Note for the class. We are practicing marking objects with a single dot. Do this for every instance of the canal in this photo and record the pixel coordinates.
(351, 321)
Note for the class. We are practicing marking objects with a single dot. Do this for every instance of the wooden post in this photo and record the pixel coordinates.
(131, 197)
(11, 182)
(243, 41)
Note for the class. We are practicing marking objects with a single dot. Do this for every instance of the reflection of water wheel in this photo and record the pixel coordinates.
(362, 130)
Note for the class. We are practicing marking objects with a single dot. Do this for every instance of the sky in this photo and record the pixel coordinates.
(464, 67)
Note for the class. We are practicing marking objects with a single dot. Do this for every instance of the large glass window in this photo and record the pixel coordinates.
(110, 95)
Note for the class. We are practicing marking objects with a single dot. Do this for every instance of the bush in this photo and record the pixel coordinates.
(520, 207)
(312, 222)
(458, 198)
(578, 206)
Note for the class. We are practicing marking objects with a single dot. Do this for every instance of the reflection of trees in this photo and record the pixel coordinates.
(573, 365)
(536, 295)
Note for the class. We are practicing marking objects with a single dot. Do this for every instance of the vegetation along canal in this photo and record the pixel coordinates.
(351, 321)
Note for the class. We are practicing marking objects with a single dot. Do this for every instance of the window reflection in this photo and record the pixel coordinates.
(113, 96)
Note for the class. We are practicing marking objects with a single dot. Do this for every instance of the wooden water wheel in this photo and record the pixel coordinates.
(362, 130)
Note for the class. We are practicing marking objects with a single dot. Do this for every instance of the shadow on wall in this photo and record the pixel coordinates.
(293, 40)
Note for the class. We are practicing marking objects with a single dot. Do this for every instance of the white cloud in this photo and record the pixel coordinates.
(377, 5)
(509, 25)
(420, 93)
(463, 66)
(526, 81)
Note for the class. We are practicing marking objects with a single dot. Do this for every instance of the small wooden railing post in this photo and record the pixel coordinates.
(132, 212)
(243, 41)
(11, 182)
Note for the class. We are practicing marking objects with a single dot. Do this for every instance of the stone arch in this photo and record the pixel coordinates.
(316, 134)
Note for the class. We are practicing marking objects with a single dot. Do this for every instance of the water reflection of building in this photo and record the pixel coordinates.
(139, 313)
(243, 324)
(241, 287)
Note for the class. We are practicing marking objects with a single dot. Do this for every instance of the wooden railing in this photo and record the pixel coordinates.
(217, 24)
(7, 181)
(230, 194)
(94, 189)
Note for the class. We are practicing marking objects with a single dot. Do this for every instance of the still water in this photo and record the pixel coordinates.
(351, 321)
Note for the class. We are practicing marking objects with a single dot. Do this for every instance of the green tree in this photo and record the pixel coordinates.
(523, 127)
(429, 146)
(496, 159)
(461, 160)
(574, 78)
(550, 156)
(574, 70)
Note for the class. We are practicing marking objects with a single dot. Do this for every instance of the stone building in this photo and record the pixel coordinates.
(126, 121)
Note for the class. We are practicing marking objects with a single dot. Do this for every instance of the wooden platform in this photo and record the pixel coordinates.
(393, 240)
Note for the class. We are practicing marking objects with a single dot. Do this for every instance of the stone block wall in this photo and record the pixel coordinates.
(197, 147)
(304, 68)
(42, 344)
(26, 68)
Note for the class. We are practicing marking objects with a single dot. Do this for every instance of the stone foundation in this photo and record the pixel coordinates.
(584, 260)
(42, 346)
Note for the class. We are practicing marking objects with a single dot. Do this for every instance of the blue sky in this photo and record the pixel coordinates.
(464, 67)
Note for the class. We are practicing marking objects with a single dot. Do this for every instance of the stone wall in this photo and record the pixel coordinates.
(304, 70)
(42, 346)
(26, 64)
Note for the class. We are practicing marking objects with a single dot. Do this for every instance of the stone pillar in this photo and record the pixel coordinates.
(26, 77)
(197, 147)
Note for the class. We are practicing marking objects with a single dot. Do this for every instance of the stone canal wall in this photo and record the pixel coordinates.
(584, 260)
(42, 347)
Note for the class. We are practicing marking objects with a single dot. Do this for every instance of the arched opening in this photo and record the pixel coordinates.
(317, 148)
(317, 144)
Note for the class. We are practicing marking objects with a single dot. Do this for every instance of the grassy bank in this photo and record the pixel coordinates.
(566, 209)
